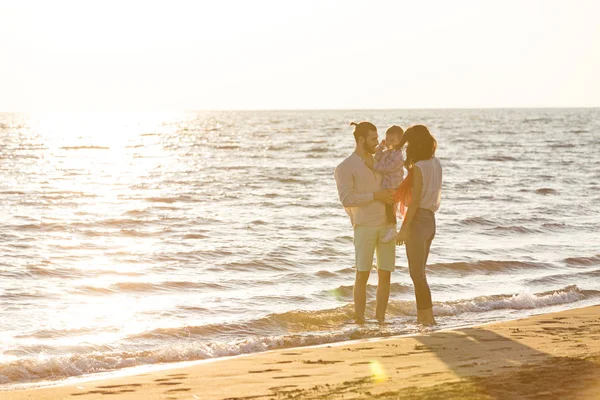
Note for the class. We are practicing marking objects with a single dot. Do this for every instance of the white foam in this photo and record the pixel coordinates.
(47, 366)
(521, 301)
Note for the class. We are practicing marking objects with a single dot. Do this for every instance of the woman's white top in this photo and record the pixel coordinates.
(431, 194)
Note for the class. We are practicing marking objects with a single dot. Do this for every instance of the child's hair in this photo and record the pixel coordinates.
(396, 130)
(362, 129)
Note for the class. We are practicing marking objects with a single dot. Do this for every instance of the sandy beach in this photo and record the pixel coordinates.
(549, 356)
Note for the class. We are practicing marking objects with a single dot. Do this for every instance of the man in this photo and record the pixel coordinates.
(359, 188)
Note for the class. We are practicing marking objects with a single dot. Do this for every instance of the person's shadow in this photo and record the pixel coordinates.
(496, 367)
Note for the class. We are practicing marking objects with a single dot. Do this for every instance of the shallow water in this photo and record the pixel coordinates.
(129, 239)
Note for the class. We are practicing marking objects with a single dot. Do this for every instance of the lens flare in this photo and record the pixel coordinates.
(378, 372)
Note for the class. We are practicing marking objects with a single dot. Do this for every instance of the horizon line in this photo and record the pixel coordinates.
(303, 109)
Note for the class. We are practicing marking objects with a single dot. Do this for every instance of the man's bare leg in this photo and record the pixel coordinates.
(383, 293)
(360, 294)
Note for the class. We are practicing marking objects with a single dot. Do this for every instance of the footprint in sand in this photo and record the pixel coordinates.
(263, 371)
(359, 348)
(320, 362)
(178, 390)
(275, 388)
(169, 379)
(119, 386)
(428, 374)
(103, 390)
(501, 349)
(399, 354)
(291, 376)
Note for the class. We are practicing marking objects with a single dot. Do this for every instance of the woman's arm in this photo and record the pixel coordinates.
(417, 187)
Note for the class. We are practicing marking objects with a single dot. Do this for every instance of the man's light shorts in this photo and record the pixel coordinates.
(367, 241)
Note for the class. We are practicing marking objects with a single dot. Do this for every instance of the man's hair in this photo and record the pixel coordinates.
(362, 129)
(421, 144)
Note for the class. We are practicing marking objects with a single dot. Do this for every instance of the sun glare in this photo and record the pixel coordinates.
(109, 130)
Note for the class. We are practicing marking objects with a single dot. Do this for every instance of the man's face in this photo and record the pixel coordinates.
(371, 142)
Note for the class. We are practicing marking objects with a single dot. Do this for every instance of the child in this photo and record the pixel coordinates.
(390, 162)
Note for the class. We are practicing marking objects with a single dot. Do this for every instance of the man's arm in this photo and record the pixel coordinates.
(345, 187)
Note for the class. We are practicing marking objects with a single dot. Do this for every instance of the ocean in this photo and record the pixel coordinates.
(131, 239)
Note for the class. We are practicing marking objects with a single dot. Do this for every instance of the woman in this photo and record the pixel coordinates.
(421, 193)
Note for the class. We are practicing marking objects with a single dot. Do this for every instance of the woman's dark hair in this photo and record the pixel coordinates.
(362, 129)
(421, 144)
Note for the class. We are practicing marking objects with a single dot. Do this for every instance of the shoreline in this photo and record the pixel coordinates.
(459, 362)
(157, 367)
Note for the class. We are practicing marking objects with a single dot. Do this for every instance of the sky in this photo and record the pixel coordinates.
(284, 54)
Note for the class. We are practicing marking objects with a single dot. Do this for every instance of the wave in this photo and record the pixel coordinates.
(346, 271)
(168, 200)
(275, 331)
(346, 291)
(557, 278)
(325, 274)
(292, 180)
(56, 272)
(261, 265)
(514, 229)
(61, 272)
(136, 213)
(331, 274)
(20, 296)
(85, 148)
(489, 266)
(474, 182)
(565, 145)
(477, 221)
(135, 233)
(545, 191)
(17, 192)
(318, 149)
(40, 226)
(57, 333)
(554, 226)
(162, 286)
(540, 119)
(522, 301)
(594, 260)
(96, 291)
(194, 236)
(62, 227)
(63, 366)
(501, 158)
(311, 321)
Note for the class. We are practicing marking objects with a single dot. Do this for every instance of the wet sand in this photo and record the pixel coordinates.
(550, 356)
